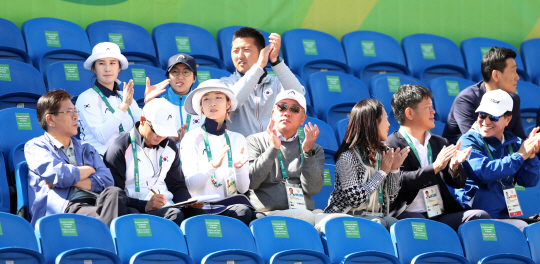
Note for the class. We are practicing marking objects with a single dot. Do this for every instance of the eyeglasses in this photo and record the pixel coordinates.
(493, 118)
(71, 111)
(151, 127)
(185, 72)
(283, 107)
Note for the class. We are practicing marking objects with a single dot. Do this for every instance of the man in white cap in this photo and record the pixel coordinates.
(498, 161)
(145, 163)
(283, 159)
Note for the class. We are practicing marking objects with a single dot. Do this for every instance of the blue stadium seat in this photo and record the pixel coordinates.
(350, 240)
(473, 50)
(138, 73)
(18, 244)
(207, 73)
(532, 232)
(384, 86)
(143, 238)
(321, 198)
(342, 129)
(307, 51)
(174, 38)
(426, 241)
(287, 240)
(69, 76)
(15, 156)
(24, 201)
(214, 239)
(51, 40)
(12, 46)
(530, 52)
(529, 94)
(326, 138)
(134, 41)
(4, 187)
(18, 126)
(377, 53)
(492, 241)
(334, 94)
(71, 238)
(27, 80)
(224, 41)
(430, 56)
(445, 90)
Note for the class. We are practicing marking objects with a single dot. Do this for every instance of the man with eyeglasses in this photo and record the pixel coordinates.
(65, 174)
(499, 161)
(285, 159)
(146, 164)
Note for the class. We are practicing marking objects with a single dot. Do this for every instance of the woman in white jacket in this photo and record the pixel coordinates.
(213, 157)
(104, 111)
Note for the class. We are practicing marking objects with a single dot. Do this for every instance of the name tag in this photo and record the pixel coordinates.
(230, 184)
(431, 199)
(512, 202)
(295, 196)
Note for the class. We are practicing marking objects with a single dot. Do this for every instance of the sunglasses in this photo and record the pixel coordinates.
(283, 107)
(185, 72)
(493, 118)
(151, 127)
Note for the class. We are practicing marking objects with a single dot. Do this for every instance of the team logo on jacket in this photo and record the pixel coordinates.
(107, 109)
(170, 116)
(195, 121)
(165, 158)
(268, 92)
(86, 105)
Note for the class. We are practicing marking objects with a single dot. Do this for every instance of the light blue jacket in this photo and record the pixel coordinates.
(48, 163)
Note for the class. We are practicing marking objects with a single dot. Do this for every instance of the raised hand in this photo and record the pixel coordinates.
(275, 39)
(387, 160)
(217, 163)
(153, 91)
(444, 157)
(241, 162)
(127, 98)
(399, 157)
(311, 132)
(263, 55)
(273, 138)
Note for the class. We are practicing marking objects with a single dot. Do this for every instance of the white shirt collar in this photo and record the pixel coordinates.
(282, 138)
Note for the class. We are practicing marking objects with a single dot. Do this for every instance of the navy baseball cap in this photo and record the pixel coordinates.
(182, 58)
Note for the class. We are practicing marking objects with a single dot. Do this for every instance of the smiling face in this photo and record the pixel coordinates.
(287, 122)
(214, 105)
(180, 83)
(489, 128)
(423, 116)
(106, 70)
(64, 124)
(507, 80)
(383, 126)
(244, 54)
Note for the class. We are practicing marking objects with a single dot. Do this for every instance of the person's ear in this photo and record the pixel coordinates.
(49, 120)
(495, 75)
(409, 113)
(508, 118)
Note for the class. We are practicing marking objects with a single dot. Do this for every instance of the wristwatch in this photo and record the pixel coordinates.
(310, 153)
(276, 62)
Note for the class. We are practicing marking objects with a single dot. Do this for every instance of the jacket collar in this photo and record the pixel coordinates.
(139, 139)
(106, 90)
(76, 147)
(263, 78)
(211, 127)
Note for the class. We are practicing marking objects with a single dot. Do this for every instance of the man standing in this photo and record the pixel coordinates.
(254, 89)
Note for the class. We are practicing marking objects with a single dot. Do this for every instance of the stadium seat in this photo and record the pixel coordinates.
(426, 241)
(174, 38)
(24, 201)
(326, 138)
(207, 73)
(12, 46)
(321, 198)
(529, 94)
(334, 94)
(18, 243)
(492, 241)
(15, 156)
(72, 238)
(445, 90)
(530, 52)
(134, 41)
(51, 40)
(532, 233)
(4, 188)
(143, 238)
(18, 126)
(224, 41)
(138, 73)
(214, 239)
(287, 240)
(307, 51)
(69, 76)
(384, 86)
(350, 240)
(21, 85)
(377, 54)
(342, 129)
(473, 50)
(430, 56)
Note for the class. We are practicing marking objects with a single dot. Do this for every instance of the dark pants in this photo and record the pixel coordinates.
(454, 220)
(242, 212)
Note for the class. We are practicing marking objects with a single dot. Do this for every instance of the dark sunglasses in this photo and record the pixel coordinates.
(493, 119)
(283, 107)
(151, 127)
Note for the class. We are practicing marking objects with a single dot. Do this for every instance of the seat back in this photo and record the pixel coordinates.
(377, 53)
(45, 35)
(21, 85)
(346, 235)
(69, 76)
(445, 90)
(482, 238)
(4, 187)
(60, 232)
(530, 52)
(12, 44)
(274, 234)
(321, 198)
(532, 233)
(473, 50)
(138, 73)
(17, 232)
(138, 232)
(207, 73)
(24, 201)
(206, 234)
(529, 95)
(384, 86)
(415, 236)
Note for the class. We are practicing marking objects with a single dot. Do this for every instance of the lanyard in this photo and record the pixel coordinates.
(121, 128)
(136, 161)
(282, 164)
(209, 153)
(411, 144)
(188, 120)
(491, 156)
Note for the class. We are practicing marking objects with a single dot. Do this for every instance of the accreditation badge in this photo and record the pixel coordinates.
(230, 183)
(295, 196)
(512, 202)
(431, 199)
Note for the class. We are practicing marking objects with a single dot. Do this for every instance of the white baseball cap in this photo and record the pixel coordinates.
(106, 50)
(294, 95)
(193, 101)
(496, 103)
(162, 116)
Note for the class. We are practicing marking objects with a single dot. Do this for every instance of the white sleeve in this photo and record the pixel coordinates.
(242, 174)
(195, 178)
